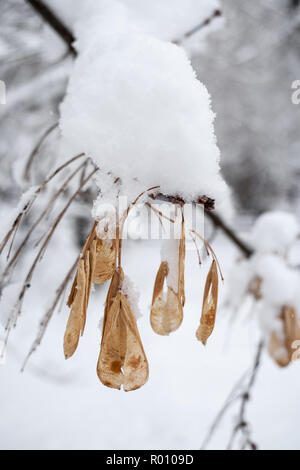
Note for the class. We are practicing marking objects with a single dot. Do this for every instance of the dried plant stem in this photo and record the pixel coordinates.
(242, 393)
(15, 258)
(218, 222)
(29, 204)
(18, 307)
(159, 212)
(120, 225)
(243, 425)
(199, 27)
(209, 248)
(36, 150)
(47, 317)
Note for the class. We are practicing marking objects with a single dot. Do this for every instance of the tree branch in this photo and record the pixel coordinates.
(235, 395)
(196, 29)
(54, 22)
(229, 232)
(209, 205)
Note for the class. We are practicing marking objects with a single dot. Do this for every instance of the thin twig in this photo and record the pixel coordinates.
(243, 425)
(229, 232)
(208, 205)
(25, 209)
(199, 27)
(55, 23)
(235, 395)
(18, 307)
(15, 258)
(36, 150)
(49, 314)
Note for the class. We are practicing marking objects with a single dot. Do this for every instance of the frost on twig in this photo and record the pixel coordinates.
(12, 320)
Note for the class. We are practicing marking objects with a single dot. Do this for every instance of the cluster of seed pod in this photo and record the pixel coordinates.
(286, 335)
(122, 361)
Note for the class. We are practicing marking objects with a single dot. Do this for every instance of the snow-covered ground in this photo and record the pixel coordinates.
(58, 404)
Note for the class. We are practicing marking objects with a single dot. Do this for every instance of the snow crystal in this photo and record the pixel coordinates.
(135, 106)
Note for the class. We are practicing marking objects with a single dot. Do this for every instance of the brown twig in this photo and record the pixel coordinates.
(37, 149)
(229, 232)
(18, 307)
(209, 205)
(239, 393)
(15, 258)
(243, 425)
(54, 22)
(30, 203)
(197, 28)
(49, 314)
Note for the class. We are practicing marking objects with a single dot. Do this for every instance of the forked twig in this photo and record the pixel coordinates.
(18, 307)
(36, 150)
(49, 314)
(238, 393)
(18, 252)
(25, 209)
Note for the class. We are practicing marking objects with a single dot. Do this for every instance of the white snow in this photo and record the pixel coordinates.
(132, 294)
(165, 19)
(136, 107)
(275, 231)
(273, 236)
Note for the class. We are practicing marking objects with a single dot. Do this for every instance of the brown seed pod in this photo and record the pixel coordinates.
(281, 345)
(122, 360)
(94, 266)
(76, 320)
(106, 256)
(167, 307)
(166, 312)
(210, 303)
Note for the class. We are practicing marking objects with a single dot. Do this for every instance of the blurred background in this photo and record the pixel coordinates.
(248, 64)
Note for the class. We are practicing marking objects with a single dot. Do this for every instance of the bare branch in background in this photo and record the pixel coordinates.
(218, 222)
(47, 317)
(196, 29)
(54, 22)
(243, 394)
(36, 150)
(12, 321)
(230, 233)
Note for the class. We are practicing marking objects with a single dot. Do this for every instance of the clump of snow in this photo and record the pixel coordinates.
(280, 283)
(168, 20)
(135, 106)
(277, 280)
(275, 232)
(132, 294)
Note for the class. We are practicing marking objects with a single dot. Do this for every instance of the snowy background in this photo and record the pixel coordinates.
(248, 60)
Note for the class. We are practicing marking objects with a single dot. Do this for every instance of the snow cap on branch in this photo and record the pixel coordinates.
(136, 107)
